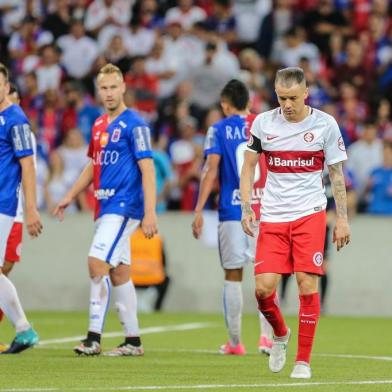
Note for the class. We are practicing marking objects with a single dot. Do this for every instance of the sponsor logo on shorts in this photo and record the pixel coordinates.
(100, 246)
(308, 137)
(318, 259)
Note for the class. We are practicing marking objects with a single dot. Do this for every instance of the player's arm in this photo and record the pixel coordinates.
(248, 218)
(251, 159)
(33, 220)
(80, 185)
(341, 233)
(149, 222)
(207, 180)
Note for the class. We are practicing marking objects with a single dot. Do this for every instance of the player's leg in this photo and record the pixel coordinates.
(12, 252)
(324, 280)
(265, 338)
(9, 299)
(308, 236)
(273, 259)
(124, 294)
(109, 229)
(233, 258)
(232, 309)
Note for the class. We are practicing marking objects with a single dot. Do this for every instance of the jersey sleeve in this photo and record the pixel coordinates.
(334, 148)
(142, 141)
(212, 144)
(254, 141)
(22, 144)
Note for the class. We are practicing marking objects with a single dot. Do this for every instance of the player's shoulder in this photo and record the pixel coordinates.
(262, 119)
(221, 124)
(131, 118)
(14, 115)
(323, 117)
(100, 120)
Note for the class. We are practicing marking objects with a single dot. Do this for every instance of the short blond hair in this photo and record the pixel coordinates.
(110, 69)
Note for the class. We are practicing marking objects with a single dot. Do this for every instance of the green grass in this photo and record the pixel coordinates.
(188, 358)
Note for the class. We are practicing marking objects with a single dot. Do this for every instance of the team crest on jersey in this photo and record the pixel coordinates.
(341, 145)
(308, 137)
(116, 135)
(2, 121)
(104, 139)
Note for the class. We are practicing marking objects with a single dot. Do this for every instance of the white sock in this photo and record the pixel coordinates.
(11, 306)
(99, 303)
(232, 306)
(265, 327)
(126, 305)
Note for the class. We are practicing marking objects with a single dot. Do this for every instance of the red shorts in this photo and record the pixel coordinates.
(288, 247)
(14, 243)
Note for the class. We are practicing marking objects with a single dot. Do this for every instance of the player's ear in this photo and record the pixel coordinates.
(306, 93)
(7, 88)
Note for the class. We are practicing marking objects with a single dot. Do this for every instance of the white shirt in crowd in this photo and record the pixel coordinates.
(98, 13)
(78, 54)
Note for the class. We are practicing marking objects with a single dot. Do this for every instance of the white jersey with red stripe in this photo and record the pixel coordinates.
(295, 154)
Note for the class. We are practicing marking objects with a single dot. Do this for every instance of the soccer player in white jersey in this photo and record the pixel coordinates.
(16, 167)
(122, 171)
(224, 148)
(296, 140)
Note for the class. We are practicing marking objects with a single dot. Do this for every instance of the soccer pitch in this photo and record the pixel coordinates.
(350, 354)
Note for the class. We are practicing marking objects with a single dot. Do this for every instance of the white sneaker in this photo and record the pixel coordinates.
(278, 353)
(301, 370)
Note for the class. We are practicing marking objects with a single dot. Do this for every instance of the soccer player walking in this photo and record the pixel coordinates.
(16, 166)
(296, 140)
(225, 145)
(122, 170)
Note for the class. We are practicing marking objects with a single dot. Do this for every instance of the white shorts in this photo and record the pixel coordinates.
(6, 223)
(111, 239)
(235, 247)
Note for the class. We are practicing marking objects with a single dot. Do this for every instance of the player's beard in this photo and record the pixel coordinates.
(113, 106)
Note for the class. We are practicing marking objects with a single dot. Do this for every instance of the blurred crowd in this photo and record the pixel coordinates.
(176, 56)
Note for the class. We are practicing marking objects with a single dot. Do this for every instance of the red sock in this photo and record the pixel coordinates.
(309, 313)
(268, 306)
(1, 315)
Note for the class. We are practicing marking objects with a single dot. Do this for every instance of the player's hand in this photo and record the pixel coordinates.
(149, 225)
(59, 209)
(341, 233)
(197, 225)
(248, 219)
(33, 222)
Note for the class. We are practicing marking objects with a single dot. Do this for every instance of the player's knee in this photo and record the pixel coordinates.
(308, 285)
(7, 268)
(119, 276)
(264, 289)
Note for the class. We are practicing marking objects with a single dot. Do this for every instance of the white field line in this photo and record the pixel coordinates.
(143, 331)
(354, 356)
(203, 386)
